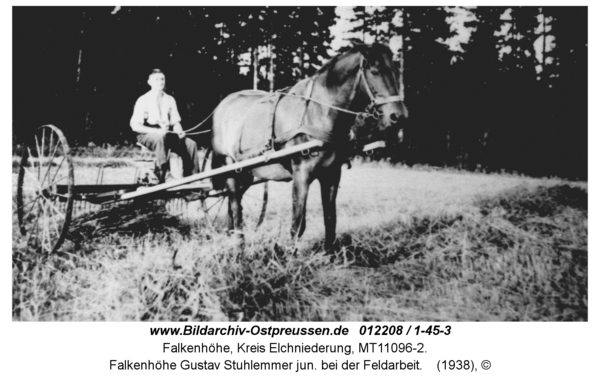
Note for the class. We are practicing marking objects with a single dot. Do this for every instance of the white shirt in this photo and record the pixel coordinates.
(155, 109)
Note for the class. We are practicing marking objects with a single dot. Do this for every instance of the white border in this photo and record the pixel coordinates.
(73, 350)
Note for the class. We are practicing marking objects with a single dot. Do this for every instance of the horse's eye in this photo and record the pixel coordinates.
(375, 72)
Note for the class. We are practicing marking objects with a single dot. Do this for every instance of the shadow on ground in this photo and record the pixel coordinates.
(130, 219)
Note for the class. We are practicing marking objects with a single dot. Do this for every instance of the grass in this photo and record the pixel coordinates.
(413, 244)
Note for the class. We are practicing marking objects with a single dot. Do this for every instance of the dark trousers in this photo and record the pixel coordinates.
(170, 143)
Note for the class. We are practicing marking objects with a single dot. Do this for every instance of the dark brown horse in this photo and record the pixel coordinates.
(322, 107)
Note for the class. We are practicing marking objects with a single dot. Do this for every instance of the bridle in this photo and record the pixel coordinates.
(374, 100)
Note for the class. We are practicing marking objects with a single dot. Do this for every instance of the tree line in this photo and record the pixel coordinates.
(511, 96)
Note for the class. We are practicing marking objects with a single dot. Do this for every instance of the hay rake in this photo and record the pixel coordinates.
(48, 198)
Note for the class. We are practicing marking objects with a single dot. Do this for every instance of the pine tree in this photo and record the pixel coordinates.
(427, 62)
(477, 80)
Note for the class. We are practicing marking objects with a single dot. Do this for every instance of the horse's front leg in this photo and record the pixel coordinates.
(235, 221)
(299, 196)
(329, 188)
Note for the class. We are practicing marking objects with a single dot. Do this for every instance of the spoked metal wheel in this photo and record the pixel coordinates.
(215, 205)
(45, 190)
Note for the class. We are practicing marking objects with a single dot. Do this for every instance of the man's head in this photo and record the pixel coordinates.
(156, 80)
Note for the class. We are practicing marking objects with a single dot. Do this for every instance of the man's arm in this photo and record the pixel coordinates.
(175, 119)
(139, 128)
(177, 128)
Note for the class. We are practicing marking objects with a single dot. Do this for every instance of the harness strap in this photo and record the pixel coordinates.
(376, 100)
(309, 89)
(389, 99)
(324, 104)
(272, 117)
(311, 131)
(361, 75)
(308, 97)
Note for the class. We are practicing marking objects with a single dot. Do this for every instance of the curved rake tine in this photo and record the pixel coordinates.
(214, 204)
(52, 218)
(218, 211)
(45, 226)
(184, 206)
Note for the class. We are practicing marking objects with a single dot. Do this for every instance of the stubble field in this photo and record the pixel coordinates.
(413, 244)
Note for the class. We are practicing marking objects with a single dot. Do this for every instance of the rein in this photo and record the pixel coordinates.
(198, 125)
(370, 110)
(325, 104)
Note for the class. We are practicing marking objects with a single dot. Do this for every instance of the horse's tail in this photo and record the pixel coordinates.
(217, 161)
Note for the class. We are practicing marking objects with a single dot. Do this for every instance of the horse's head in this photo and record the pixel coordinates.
(379, 83)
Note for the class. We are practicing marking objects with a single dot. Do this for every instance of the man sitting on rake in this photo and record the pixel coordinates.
(157, 122)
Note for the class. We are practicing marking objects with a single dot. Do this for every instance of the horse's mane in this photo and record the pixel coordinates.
(331, 63)
(375, 50)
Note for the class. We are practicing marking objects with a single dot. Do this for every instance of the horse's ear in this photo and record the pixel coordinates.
(355, 42)
(361, 47)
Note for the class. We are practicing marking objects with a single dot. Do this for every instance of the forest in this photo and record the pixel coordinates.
(494, 89)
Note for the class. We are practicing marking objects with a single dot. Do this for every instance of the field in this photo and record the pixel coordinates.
(413, 244)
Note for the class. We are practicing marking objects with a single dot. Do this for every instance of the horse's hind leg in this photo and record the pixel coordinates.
(235, 210)
(234, 213)
(218, 182)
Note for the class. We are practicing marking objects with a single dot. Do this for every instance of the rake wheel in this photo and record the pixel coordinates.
(254, 202)
(43, 212)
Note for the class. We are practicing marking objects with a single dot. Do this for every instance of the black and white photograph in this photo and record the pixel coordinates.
(299, 163)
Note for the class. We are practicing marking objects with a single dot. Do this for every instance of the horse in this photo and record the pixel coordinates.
(362, 80)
